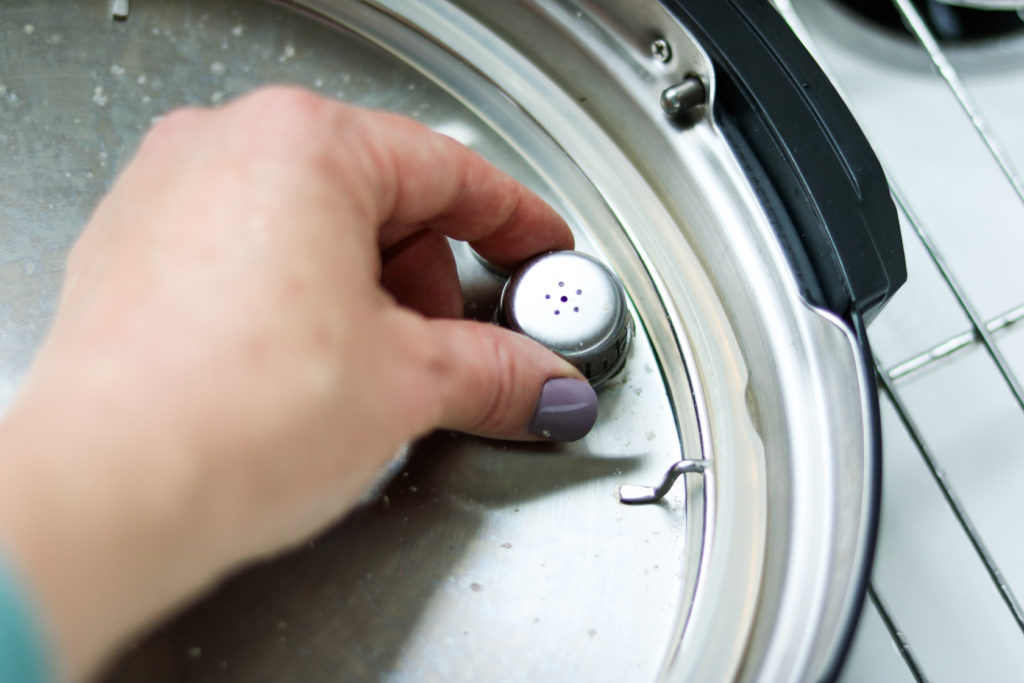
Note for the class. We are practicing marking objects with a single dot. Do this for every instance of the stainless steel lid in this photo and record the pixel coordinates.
(485, 560)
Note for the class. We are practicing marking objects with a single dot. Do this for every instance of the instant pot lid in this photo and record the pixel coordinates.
(492, 560)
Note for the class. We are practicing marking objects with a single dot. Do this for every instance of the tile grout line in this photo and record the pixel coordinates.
(980, 328)
(958, 509)
(902, 646)
(954, 345)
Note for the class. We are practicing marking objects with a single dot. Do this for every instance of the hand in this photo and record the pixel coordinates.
(258, 315)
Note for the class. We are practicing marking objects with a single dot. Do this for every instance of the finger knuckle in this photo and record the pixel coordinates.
(285, 104)
(171, 128)
(295, 126)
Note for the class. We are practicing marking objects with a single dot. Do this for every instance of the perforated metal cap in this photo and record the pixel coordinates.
(574, 305)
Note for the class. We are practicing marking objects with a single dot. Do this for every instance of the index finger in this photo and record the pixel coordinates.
(415, 177)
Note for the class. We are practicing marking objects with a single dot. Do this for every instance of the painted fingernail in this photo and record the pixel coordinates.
(566, 411)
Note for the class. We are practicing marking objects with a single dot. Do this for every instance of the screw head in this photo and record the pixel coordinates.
(661, 50)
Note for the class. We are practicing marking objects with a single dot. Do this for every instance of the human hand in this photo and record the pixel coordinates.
(257, 317)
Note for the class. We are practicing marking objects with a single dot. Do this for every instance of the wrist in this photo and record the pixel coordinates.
(95, 519)
(24, 648)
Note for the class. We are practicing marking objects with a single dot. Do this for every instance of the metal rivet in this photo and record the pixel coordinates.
(688, 93)
(661, 50)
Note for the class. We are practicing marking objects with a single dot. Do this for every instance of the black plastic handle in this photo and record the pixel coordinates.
(820, 181)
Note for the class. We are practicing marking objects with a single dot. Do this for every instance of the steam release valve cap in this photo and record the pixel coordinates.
(574, 305)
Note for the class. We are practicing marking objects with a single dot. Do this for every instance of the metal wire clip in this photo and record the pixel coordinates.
(631, 494)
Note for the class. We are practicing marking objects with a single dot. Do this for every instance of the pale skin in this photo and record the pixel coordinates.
(258, 315)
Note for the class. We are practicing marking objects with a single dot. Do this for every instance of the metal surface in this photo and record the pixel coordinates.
(571, 303)
(481, 559)
(949, 565)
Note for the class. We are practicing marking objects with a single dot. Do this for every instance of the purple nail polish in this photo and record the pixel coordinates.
(566, 410)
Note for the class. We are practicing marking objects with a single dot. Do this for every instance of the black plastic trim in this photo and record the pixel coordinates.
(810, 148)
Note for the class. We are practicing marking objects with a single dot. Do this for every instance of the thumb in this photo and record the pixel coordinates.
(503, 385)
